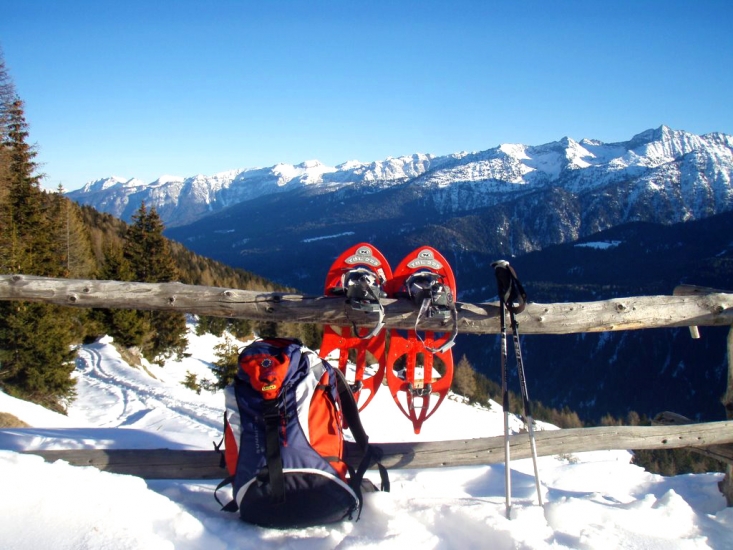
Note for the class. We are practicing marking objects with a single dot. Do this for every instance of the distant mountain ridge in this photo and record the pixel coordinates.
(184, 200)
(691, 170)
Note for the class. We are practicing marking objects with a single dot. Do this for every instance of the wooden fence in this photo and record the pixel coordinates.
(688, 306)
(175, 464)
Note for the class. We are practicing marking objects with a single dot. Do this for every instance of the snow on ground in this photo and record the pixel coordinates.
(599, 245)
(592, 500)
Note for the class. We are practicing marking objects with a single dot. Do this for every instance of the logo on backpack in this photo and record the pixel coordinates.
(284, 439)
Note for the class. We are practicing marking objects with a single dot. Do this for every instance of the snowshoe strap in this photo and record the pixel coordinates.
(435, 300)
(511, 291)
(364, 292)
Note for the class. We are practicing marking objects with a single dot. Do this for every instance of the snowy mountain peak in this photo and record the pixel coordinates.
(104, 184)
(165, 180)
(348, 165)
(310, 164)
(493, 175)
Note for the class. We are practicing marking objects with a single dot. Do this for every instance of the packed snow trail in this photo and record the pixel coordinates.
(110, 394)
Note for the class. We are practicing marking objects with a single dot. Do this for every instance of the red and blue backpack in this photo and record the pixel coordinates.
(284, 439)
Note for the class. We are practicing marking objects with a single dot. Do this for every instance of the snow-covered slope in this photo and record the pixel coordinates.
(592, 500)
(664, 161)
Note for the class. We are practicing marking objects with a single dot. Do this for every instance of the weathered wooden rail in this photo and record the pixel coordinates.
(724, 453)
(689, 306)
(631, 313)
(177, 464)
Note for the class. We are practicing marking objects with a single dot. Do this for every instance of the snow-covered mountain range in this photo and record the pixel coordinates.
(689, 172)
(182, 200)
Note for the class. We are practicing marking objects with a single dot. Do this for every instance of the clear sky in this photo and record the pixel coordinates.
(157, 87)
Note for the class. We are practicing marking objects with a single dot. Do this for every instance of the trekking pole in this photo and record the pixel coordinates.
(512, 299)
(505, 405)
(527, 404)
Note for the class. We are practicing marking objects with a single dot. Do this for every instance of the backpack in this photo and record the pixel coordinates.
(284, 439)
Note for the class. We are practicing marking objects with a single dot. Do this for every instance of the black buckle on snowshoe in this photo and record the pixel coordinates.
(363, 293)
(441, 299)
(434, 299)
(425, 287)
(364, 305)
(362, 289)
(425, 391)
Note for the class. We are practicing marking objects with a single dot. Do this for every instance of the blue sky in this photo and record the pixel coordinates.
(142, 88)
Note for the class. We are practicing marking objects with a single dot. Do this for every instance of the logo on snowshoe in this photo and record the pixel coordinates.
(425, 258)
(363, 256)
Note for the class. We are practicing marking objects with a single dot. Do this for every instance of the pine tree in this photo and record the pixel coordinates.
(147, 249)
(149, 256)
(226, 364)
(129, 327)
(70, 238)
(5, 242)
(464, 379)
(7, 95)
(36, 358)
(27, 249)
(211, 325)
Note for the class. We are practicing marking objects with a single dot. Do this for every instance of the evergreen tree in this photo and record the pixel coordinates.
(311, 334)
(211, 325)
(150, 259)
(266, 329)
(36, 358)
(70, 238)
(226, 364)
(241, 328)
(27, 248)
(7, 93)
(147, 249)
(464, 379)
(5, 241)
(129, 327)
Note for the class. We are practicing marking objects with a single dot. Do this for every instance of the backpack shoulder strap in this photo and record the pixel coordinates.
(372, 454)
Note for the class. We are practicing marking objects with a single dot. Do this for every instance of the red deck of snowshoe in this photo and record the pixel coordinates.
(406, 351)
(365, 381)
